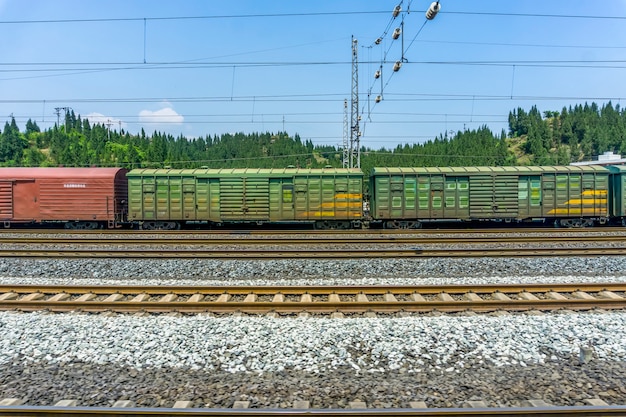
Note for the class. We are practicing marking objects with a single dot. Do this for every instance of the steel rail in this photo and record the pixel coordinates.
(301, 231)
(156, 307)
(557, 411)
(311, 254)
(316, 290)
(348, 240)
(327, 299)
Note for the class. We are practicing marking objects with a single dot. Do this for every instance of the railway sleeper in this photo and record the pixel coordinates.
(16, 404)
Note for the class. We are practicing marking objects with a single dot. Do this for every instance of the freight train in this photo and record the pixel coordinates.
(329, 198)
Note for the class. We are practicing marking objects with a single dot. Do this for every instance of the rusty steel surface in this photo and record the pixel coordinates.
(64, 194)
(591, 411)
(347, 240)
(199, 230)
(351, 253)
(320, 290)
(319, 300)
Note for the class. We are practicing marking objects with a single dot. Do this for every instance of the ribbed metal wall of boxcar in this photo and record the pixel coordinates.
(331, 197)
(6, 200)
(245, 195)
(575, 194)
(617, 194)
(63, 194)
(244, 198)
(81, 199)
(489, 193)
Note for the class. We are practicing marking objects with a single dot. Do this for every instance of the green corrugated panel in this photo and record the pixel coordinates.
(135, 198)
(275, 200)
(521, 170)
(189, 198)
(245, 194)
(493, 196)
(244, 199)
(203, 199)
(618, 190)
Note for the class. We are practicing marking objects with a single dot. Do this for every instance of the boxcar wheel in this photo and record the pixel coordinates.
(345, 225)
(82, 225)
(576, 223)
(160, 225)
(391, 224)
(322, 225)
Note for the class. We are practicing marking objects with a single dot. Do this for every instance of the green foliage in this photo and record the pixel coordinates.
(12, 144)
(572, 135)
(534, 138)
(470, 147)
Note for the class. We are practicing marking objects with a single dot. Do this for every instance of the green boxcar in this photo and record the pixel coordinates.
(618, 193)
(166, 198)
(569, 195)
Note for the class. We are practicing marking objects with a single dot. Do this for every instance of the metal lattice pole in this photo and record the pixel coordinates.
(355, 133)
(346, 136)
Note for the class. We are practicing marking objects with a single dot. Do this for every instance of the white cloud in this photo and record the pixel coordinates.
(162, 116)
(99, 118)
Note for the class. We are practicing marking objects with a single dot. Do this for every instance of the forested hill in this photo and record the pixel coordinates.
(573, 134)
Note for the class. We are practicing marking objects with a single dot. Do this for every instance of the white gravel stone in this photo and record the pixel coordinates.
(261, 344)
(434, 271)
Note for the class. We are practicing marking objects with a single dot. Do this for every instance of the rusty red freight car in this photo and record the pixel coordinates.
(80, 198)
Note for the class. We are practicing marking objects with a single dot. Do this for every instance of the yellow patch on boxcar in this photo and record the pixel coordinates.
(592, 203)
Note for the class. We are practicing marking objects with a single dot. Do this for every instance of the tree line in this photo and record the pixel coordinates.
(573, 134)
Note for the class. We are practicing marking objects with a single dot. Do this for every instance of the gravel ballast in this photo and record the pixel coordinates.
(272, 362)
(215, 361)
(434, 271)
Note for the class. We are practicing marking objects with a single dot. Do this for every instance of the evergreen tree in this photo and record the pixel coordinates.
(31, 127)
(12, 144)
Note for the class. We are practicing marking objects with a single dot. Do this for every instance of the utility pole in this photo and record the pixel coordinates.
(109, 123)
(346, 136)
(355, 133)
(57, 110)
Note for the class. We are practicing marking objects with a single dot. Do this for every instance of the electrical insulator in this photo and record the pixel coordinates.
(396, 66)
(397, 10)
(433, 10)
(378, 41)
(378, 98)
(396, 33)
(377, 74)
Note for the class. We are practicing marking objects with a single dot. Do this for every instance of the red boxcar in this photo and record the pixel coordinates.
(83, 198)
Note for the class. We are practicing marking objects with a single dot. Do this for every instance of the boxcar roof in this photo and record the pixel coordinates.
(58, 172)
(525, 170)
(248, 172)
(617, 168)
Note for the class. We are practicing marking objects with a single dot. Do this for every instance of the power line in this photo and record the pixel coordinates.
(177, 65)
(205, 17)
(306, 14)
(523, 45)
(322, 98)
(534, 15)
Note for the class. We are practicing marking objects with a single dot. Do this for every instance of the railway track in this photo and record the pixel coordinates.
(313, 300)
(309, 232)
(280, 253)
(581, 411)
(344, 240)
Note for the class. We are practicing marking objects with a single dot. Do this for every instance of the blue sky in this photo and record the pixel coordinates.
(210, 67)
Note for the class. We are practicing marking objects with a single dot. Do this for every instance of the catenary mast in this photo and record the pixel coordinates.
(355, 132)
